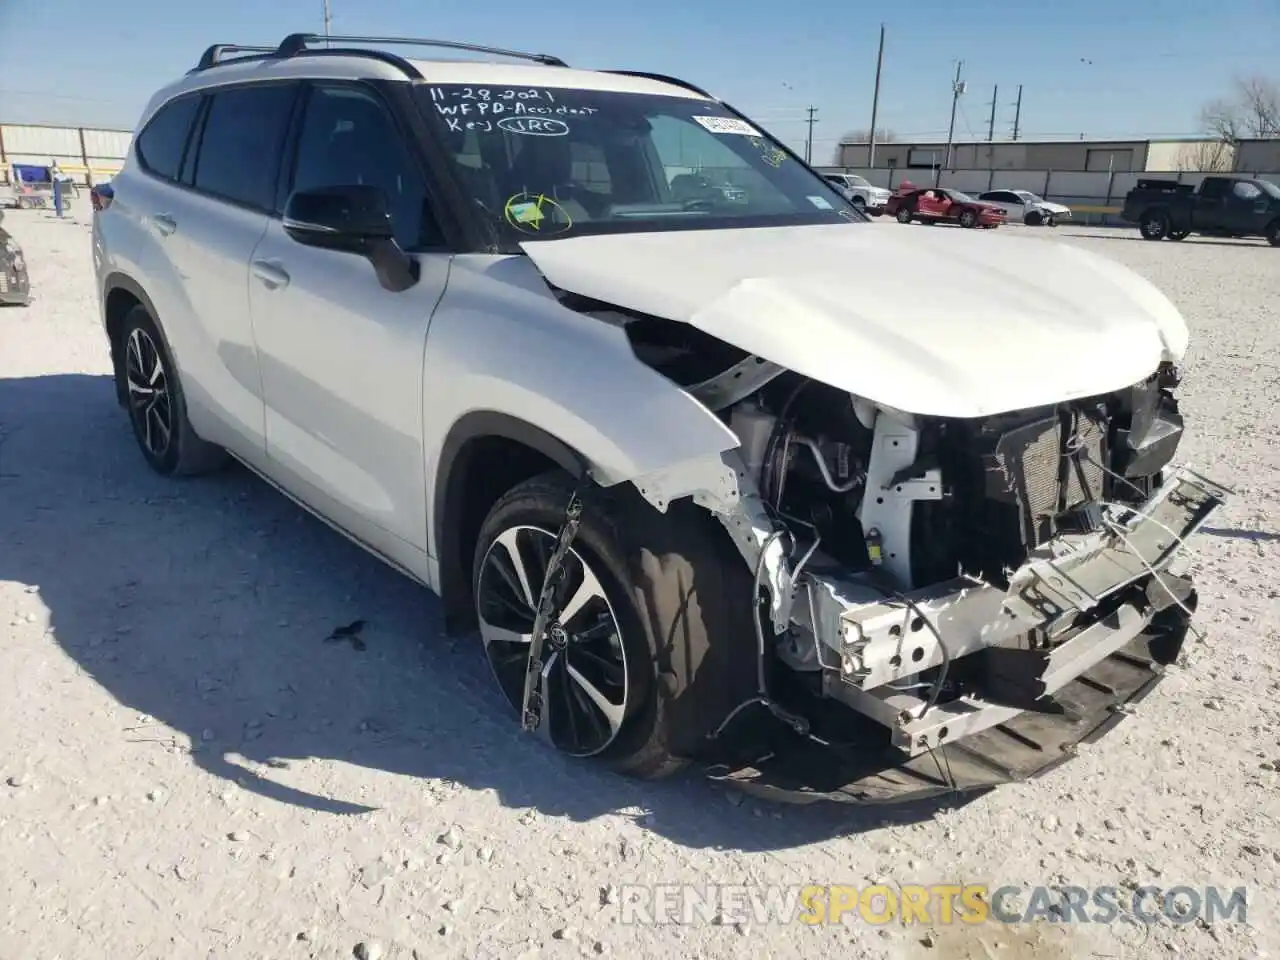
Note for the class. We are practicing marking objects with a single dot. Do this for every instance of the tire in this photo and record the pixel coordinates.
(1273, 233)
(1178, 234)
(968, 219)
(859, 203)
(903, 215)
(156, 404)
(1033, 219)
(680, 599)
(1154, 225)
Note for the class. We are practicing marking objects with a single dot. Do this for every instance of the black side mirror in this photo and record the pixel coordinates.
(352, 219)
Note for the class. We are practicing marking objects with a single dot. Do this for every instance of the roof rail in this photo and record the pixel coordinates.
(297, 43)
(217, 53)
(663, 78)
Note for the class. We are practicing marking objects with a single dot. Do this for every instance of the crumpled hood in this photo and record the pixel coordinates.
(940, 321)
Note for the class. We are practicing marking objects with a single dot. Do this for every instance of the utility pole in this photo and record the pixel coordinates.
(875, 104)
(991, 124)
(808, 144)
(957, 88)
(328, 19)
(1017, 113)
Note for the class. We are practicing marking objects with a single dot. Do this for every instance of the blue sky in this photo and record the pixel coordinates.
(1086, 66)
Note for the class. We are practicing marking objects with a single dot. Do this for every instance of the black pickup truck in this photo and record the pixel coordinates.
(1220, 207)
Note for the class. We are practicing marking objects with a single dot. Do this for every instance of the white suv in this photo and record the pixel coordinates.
(701, 496)
(860, 191)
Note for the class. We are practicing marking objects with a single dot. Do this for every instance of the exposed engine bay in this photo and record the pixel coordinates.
(952, 580)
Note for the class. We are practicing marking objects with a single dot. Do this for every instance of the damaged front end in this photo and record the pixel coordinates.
(947, 604)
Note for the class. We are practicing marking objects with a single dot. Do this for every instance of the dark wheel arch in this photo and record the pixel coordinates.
(120, 294)
(485, 454)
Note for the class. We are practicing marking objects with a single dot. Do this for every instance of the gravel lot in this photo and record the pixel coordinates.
(188, 770)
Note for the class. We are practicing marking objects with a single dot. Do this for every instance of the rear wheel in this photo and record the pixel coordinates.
(156, 404)
(650, 643)
(1273, 233)
(1154, 226)
(1179, 234)
(904, 215)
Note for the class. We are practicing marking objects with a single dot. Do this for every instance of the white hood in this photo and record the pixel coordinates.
(1053, 207)
(938, 322)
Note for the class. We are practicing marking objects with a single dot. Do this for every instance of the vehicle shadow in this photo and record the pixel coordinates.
(207, 605)
(1239, 533)
(1189, 241)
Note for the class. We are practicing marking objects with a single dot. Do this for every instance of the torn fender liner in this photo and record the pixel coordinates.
(793, 769)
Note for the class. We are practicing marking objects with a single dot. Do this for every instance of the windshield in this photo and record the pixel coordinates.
(543, 163)
(1269, 188)
(959, 197)
(1029, 197)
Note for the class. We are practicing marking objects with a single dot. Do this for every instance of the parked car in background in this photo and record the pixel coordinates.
(694, 187)
(860, 191)
(1026, 207)
(943, 205)
(1219, 207)
(15, 285)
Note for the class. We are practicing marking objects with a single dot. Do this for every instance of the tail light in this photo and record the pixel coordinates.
(101, 197)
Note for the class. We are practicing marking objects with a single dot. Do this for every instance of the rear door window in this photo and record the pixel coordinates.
(161, 143)
(240, 147)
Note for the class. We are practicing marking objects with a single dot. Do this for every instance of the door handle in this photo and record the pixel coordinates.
(164, 223)
(270, 274)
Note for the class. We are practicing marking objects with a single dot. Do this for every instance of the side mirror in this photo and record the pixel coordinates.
(351, 219)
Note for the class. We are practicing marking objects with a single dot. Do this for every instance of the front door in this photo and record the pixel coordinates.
(342, 356)
(1247, 208)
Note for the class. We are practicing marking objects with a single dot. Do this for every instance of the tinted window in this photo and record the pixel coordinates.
(1213, 188)
(240, 147)
(1245, 190)
(160, 145)
(348, 138)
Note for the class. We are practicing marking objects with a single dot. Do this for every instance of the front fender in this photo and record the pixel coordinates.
(502, 345)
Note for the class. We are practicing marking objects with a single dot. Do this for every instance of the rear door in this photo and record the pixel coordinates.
(342, 356)
(1209, 206)
(210, 227)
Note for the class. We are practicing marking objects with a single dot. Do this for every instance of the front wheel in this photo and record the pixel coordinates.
(1034, 218)
(1273, 233)
(650, 643)
(860, 203)
(968, 219)
(1179, 234)
(156, 403)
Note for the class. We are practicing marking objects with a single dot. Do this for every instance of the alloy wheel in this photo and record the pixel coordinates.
(150, 403)
(584, 673)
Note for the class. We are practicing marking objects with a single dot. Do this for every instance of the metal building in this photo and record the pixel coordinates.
(1096, 156)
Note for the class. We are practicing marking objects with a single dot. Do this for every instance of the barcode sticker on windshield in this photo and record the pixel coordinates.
(728, 125)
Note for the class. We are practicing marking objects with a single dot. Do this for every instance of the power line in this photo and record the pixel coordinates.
(808, 144)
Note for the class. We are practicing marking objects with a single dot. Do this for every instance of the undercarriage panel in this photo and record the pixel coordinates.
(796, 769)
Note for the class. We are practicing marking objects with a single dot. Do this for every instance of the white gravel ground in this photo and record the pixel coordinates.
(187, 770)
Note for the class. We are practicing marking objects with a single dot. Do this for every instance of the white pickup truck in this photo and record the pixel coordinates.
(860, 192)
